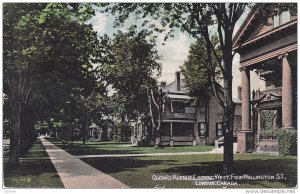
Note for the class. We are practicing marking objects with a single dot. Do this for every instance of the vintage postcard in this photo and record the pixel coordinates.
(172, 95)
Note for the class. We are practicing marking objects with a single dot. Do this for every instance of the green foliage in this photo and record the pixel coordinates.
(270, 133)
(130, 65)
(144, 142)
(269, 9)
(50, 48)
(196, 70)
(287, 141)
(6, 128)
(35, 171)
(267, 119)
(198, 165)
(121, 132)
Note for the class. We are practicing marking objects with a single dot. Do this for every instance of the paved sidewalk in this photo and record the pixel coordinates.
(76, 174)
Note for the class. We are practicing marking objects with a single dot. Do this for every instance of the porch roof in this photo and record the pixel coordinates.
(178, 96)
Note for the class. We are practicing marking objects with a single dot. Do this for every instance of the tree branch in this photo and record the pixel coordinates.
(205, 34)
(158, 110)
(150, 108)
(212, 77)
(155, 103)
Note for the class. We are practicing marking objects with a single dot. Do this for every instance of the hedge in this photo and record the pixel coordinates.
(269, 133)
(287, 142)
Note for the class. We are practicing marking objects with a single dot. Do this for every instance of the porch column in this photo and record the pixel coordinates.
(246, 114)
(258, 125)
(287, 105)
(245, 136)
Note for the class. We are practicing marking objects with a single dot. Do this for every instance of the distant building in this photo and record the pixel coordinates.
(184, 122)
(269, 49)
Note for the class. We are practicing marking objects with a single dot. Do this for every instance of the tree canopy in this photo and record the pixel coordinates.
(48, 50)
(197, 72)
(131, 68)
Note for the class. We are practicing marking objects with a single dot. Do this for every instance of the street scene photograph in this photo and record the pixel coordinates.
(140, 95)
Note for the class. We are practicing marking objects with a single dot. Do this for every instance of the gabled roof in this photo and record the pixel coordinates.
(255, 29)
(247, 22)
(172, 87)
(243, 27)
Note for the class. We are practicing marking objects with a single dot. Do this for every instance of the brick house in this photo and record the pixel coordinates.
(184, 122)
(269, 49)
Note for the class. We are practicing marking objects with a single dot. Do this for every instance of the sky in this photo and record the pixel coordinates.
(174, 51)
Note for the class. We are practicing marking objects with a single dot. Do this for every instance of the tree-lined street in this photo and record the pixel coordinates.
(87, 103)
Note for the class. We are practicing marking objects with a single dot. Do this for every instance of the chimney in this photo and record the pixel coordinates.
(163, 84)
(239, 92)
(177, 80)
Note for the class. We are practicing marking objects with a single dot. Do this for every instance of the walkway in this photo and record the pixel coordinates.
(76, 174)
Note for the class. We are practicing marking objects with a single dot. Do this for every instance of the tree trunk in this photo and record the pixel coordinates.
(157, 133)
(24, 133)
(228, 138)
(15, 136)
(83, 130)
(229, 109)
(72, 136)
(151, 112)
(16, 90)
(32, 134)
(157, 104)
(157, 140)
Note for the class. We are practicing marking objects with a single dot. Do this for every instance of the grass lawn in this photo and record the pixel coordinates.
(137, 172)
(35, 171)
(94, 148)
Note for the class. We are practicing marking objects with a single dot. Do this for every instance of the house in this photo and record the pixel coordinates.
(267, 46)
(183, 121)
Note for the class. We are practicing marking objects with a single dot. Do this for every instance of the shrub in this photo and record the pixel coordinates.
(144, 142)
(110, 133)
(120, 132)
(266, 119)
(269, 133)
(287, 142)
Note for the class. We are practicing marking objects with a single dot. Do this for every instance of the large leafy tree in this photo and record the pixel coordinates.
(48, 50)
(89, 108)
(16, 62)
(130, 70)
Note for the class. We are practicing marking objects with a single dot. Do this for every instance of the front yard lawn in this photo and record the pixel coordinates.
(35, 171)
(138, 172)
(95, 148)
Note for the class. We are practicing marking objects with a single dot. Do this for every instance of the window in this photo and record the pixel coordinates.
(202, 129)
(281, 19)
(275, 21)
(285, 17)
(219, 130)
